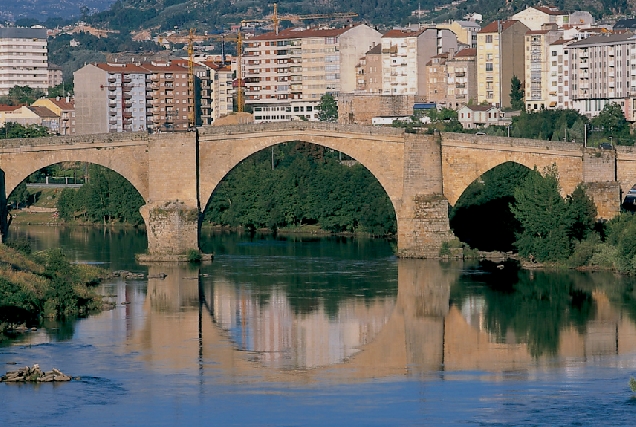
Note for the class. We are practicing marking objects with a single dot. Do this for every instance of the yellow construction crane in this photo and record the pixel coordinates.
(275, 19)
(191, 108)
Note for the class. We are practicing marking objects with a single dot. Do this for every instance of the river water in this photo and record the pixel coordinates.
(327, 331)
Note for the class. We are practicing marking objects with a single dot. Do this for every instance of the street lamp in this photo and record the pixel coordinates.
(585, 136)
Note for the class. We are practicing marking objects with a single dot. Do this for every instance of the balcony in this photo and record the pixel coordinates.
(460, 85)
(460, 74)
(127, 79)
(112, 96)
(112, 80)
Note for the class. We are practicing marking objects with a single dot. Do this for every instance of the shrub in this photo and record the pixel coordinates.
(193, 255)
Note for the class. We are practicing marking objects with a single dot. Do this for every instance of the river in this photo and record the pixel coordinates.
(327, 331)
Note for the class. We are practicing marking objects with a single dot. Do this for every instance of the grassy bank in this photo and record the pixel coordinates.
(41, 285)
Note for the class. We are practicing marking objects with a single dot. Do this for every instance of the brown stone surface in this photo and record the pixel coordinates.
(420, 173)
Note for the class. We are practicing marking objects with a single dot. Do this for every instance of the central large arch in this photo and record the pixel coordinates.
(382, 154)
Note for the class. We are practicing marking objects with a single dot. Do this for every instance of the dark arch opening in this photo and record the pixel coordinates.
(629, 200)
(298, 184)
(482, 217)
(78, 191)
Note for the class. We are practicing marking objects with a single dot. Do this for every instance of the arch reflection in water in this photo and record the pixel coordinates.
(441, 319)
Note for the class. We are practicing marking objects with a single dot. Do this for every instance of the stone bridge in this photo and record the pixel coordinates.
(176, 173)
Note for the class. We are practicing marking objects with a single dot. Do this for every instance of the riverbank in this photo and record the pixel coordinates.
(43, 285)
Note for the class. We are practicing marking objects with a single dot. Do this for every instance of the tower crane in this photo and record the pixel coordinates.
(275, 19)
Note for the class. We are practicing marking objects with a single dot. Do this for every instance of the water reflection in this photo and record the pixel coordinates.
(296, 309)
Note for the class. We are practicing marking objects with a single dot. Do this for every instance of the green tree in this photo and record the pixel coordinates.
(19, 95)
(544, 217)
(611, 121)
(15, 130)
(62, 90)
(20, 195)
(581, 213)
(327, 109)
(516, 94)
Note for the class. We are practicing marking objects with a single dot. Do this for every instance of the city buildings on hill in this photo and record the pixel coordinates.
(64, 108)
(536, 17)
(23, 59)
(286, 73)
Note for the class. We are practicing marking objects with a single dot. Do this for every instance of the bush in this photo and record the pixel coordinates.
(584, 251)
(193, 255)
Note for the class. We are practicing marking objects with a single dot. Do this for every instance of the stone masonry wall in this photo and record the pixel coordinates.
(361, 108)
(599, 165)
(606, 197)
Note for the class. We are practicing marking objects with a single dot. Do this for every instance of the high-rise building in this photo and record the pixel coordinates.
(216, 91)
(600, 73)
(111, 98)
(462, 78)
(369, 71)
(286, 74)
(500, 56)
(23, 58)
(405, 54)
(539, 61)
(560, 75)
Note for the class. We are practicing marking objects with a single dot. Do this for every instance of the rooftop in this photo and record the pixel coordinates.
(493, 27)
(297, 33)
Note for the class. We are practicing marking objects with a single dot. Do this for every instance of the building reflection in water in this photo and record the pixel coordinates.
(432, 324)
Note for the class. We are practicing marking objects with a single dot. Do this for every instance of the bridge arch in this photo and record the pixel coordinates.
(18, 168)
(466, 157)
(382, 155)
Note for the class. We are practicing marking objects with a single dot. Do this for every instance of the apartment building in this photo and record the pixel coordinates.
(539, 59)
(462, 78)
(535, 17)
(171, 101)
(369, 71)
(559, 94)
(602, 71)
(23, 58)
(436, 77)
(500, 56)
(34, 115)
(286, 74)
(110, 98)
(216, 92)
(56, 76)
(64, 108)
(405, 54)
(466, 31)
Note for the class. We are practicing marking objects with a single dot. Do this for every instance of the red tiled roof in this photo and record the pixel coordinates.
(63, 104)
(215, 66)
(493, 27)
(480, 107)
(402, 33)
(466, 52)
(5, 108)
(43, 112)
(163, 67)
(298, 33)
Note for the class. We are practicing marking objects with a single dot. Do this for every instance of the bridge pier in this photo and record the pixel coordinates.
(422, 215)
(172, 228)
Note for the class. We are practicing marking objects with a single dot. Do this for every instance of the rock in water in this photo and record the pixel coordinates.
(632, 384)
(34, 374)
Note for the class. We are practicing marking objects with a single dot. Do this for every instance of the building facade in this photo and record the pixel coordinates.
(539, 62)
(23, 59)
(462, 78)
(500, 56)
(64, 108)
(369, 71)
(286, 74)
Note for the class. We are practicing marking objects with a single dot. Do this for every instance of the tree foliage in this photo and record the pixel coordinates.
(516, 94)
(308, 186)
(21, 95)
(15, 130)
(611, 122)
(550, 225)
(327, 109)
(107, 197)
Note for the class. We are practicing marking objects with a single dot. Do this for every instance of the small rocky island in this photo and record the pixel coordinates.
(34, 374)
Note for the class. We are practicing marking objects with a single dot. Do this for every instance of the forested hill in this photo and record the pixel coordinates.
(216, 15)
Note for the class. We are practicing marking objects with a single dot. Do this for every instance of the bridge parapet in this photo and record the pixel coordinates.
(100, 138)
(333, 128)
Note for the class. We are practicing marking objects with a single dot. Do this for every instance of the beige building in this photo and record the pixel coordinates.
(369, 71)
(34, 115)
(216, 92)
(462, 78)
(64, 108)
(436, 77)
(405, 54)
(539, 59)
(500, 56)
(23, 59)
(535, 17)
(481, 116)
(466, 31)
(55, 75)
(287, 73)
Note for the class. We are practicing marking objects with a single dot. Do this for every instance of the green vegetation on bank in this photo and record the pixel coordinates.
(107, 197)
(44, 284)
(307, 185)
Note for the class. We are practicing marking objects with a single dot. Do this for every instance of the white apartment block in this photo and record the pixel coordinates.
(23, 58)
(602, 71)
(405, 54)
(559, 95)
(286, 74)
(539, 61)
(535, 17)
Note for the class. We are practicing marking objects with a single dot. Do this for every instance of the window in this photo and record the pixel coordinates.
(488, 38)
(488, 66)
